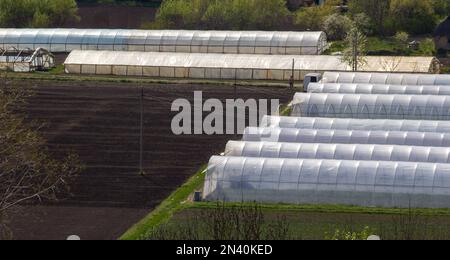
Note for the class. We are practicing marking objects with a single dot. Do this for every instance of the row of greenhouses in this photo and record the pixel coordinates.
(339, 148)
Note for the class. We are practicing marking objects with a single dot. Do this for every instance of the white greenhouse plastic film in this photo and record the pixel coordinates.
(245, 42)
(326, 151)
(213, 65)
(305, 181)
(371, 106)
(386, 78)
(378, 89)
(356, 124)
(293, 135)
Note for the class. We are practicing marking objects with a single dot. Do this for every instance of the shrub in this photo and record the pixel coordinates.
(427, 47)
(402, 38)
(313, 18)
(337, 26)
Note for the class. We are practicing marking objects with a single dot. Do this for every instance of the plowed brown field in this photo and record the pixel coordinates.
(100, 122)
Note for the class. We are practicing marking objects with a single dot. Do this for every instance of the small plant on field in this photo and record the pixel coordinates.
(349, 235)
(223, 222)
(402, 38)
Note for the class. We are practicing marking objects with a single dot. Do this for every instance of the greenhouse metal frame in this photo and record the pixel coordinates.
(386, 78)
(327, 151)
(210, 66)
(236, 42)
(293, 135)
(371, 106)
(356, 124)
(305, 181)
(342, 88)
(26, 60)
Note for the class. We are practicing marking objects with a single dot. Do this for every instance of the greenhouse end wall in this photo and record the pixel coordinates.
(357, 183)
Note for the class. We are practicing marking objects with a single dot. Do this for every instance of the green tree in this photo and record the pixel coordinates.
(62, 11)
(376, 10)
(216, 17)
(313, 18)
(222, 14)
(441, 7)
(15, 13)
(269, 14)
(37, 13)
(355, 52)
(337, 26)
(413, 16)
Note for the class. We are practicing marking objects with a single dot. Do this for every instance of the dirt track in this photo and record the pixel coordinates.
(100, 121)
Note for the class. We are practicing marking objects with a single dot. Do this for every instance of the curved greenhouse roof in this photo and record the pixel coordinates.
(215, 66)
(347, 88)
(327, 151)
(371, 106)
(245, 42)
(356, 124)
(306, 181)
(386, 78)
(293, 135)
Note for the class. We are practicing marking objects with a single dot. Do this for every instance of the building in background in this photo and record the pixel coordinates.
(442, 35)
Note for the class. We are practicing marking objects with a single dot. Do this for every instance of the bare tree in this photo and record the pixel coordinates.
(391, 64)
(355, 53)
(27, 171)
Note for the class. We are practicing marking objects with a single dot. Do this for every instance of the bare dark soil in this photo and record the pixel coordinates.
(100, 122)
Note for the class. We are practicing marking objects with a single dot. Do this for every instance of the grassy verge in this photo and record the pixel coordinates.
(327, 209)
(319, 222)
(164, 212)
(388, 46)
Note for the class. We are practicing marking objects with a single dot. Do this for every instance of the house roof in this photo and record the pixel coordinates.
(444, 28)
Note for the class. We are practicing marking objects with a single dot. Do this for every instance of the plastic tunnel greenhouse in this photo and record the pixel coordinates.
(292, 135)
(356, 124)
(215, 66)
(306, 181)
(386, 78)
(244, 42)
(378, 89)
(360, 152)
(371, 106)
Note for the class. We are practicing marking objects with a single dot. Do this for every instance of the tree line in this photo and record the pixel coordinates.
(376, 17)
(37, 13)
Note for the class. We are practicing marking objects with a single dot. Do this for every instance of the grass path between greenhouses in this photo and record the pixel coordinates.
(164, 212)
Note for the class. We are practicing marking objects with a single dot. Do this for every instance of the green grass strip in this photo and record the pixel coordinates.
(164, 212)
(57, 74)
(326, 209)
